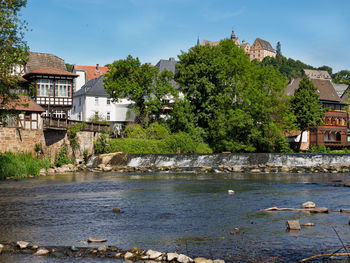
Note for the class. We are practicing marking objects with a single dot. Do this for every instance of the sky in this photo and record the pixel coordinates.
(90, 32)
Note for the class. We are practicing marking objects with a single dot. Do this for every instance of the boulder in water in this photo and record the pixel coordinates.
(230, 192)
(184, 259)
(202, 260)
(22, 244)
(41, 252)
(172, 256)
(96, 240)
(1, 247)
(293, 225)
(308, 204)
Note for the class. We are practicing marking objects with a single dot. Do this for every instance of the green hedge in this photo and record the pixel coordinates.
(20, 165)
(176, 143)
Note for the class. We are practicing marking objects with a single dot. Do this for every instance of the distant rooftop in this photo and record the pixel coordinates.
(92, 72)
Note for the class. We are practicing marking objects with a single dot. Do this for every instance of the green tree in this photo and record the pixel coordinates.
(306, 106)
(342, 77)
(234, 104)
(326, 68)
(279, 56)
(13, 48)
(141, 83)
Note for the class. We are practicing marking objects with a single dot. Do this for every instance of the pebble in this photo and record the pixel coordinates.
(102, 249)
(41, 252)
(22, 244)
(128, 255)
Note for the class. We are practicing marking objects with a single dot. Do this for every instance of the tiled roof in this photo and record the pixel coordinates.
(94, 87)
(42, 60)
(316, 74)
(325, 89)
(92, 72)
(23, 103)
(170, 65)
(340, 88)
(50, 71)
(264, 44)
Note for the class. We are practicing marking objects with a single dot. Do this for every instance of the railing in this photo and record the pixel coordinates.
(64, 124)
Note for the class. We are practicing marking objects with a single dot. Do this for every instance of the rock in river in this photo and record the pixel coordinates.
(308, 204)
(22, 244)
(96, 240)
(41, 252)
(293, 225)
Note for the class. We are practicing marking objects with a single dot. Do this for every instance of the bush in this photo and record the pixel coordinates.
(62, 157)
(318, 149)
(135, 131)
(101, 145)
(181, 143)
(141, 146)
(203, 148)
(21, 165)
(156, 132)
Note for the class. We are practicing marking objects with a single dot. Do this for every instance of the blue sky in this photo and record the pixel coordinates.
(89, 32)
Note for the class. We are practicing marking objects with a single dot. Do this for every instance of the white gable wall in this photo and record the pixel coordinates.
(89, 105)
(79, 81)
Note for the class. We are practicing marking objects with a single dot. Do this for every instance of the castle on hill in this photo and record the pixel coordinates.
(260, 48)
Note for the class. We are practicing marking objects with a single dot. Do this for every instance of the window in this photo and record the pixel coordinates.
(74, 108)
(108, 101)
(79, 116)
(63, 88)
(44, 87)
(96, 100)
(108, 116)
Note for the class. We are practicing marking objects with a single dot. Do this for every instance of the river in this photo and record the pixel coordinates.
(189, 213)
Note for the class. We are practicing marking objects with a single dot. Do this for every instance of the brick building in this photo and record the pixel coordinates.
(333, 131)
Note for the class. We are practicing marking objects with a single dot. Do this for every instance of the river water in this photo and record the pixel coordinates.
(188, 213)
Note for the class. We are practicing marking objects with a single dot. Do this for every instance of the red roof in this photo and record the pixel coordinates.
(50, 71)
(92, 72)
(22, 103)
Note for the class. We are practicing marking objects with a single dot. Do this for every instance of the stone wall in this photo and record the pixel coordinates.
(19, 140)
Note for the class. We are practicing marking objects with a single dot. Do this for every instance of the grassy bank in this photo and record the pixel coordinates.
(20, 165)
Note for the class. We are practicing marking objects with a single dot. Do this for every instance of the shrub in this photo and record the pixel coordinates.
(318, 149)
(203, 148)
(181, 143)
(21, 165)
(156, 132)
(62, 157)
(101, 145)
(135, 131)
(132, 145)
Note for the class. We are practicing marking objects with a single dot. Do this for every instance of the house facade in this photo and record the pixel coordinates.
(93, 102)
(21, 112)
(261, 49)
(86, 73)
(46, 78)
(333, 131)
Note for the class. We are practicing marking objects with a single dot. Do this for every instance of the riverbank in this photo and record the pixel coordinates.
(103, 251)
(21, 165)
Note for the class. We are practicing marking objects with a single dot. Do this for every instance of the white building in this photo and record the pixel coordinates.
(86, 73)
(92, 100)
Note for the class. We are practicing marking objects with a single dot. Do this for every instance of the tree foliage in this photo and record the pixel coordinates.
(306, 106)
(288, 67)
(141, 83)
(234, 104)
(13, 49)
(342, 77)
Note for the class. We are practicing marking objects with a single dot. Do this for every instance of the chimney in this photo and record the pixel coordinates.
(171, 59)
(97, 67)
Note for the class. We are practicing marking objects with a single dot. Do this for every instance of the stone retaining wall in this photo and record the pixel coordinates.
(19, 140)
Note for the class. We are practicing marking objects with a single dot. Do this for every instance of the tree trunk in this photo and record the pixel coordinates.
(300, 141)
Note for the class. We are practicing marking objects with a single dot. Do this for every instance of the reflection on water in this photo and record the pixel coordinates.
(188, 213)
